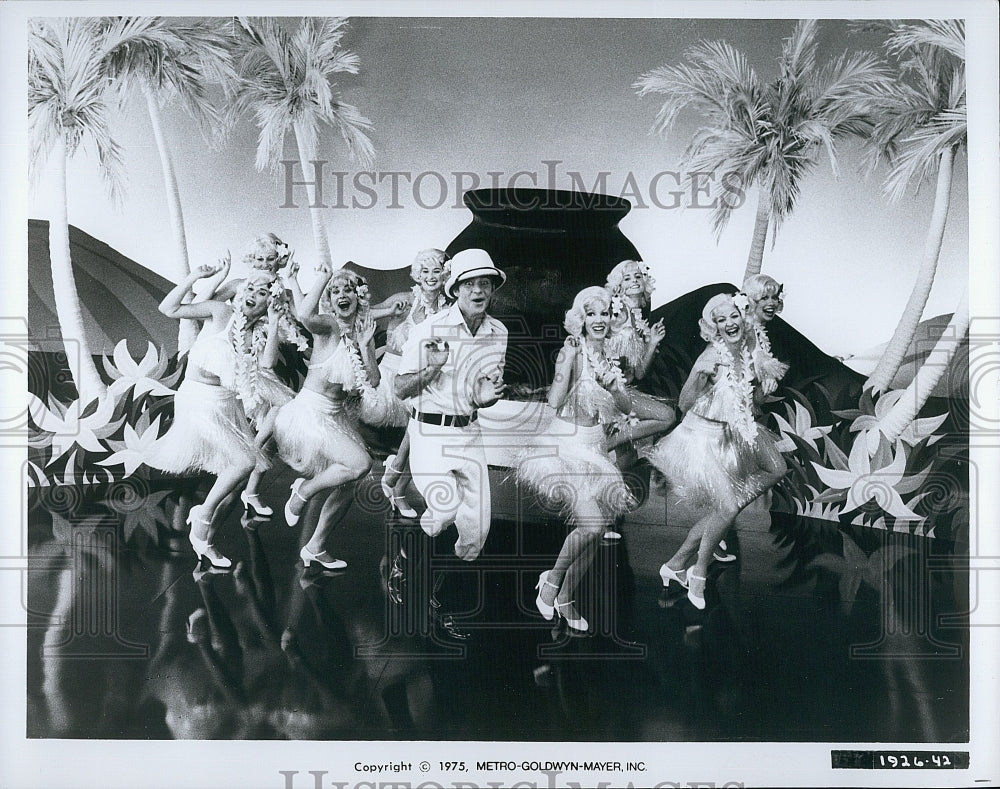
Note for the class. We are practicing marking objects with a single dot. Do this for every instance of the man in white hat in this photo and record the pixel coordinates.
(452, 365)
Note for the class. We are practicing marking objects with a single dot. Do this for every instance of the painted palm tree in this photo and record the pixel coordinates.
(169, 60)
(923, 129)
(915, 396)
(768, 134)
(68, 105)
(285, 82)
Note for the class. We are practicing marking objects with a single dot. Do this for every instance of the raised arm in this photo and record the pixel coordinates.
(173, 307)
(212, 291)
(291, 278)
(393, 307)
(656, 335)
(269, 358)
(308, 308)
(366, 345)
(563, 376)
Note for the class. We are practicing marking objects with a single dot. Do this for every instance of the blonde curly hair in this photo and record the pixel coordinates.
(616, 278)
(430, 256)
(760, 285)
(357, 282)
(266, 253)
(574, 323)
(706, 323)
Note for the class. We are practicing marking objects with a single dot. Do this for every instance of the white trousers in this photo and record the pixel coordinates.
(449, 468)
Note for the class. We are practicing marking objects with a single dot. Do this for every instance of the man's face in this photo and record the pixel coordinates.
(474, 295)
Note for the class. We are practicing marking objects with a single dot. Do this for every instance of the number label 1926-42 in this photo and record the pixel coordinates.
(900, 760)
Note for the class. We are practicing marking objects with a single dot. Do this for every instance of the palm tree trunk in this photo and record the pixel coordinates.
(930, 372)
(306, 156)
(81, 363)
(756, 257)
(887, 367)
(188, 329)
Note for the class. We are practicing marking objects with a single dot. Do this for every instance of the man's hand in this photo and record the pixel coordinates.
(435, 351)
(489, 389)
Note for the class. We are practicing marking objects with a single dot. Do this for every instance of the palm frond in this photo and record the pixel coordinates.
(68, 96)
(171, 60)
(798, 51)
(944, 34)
(920, 151)
(716, 76)
(285, 82)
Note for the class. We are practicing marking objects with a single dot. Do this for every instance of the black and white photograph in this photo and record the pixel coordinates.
(500, 394)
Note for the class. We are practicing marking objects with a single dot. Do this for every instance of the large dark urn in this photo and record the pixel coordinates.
(551, 244)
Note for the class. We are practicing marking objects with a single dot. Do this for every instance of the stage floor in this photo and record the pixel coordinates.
(818, 632)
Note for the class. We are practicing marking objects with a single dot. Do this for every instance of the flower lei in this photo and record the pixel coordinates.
(634, 316)
(247, 350)
(608, 373)
(743, 388)
(361, 380)
(288, 325)
(430, 307)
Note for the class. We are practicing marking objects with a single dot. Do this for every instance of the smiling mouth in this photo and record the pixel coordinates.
(343, 304)
(769, 311)
(732, 331)
(598, 327)
(251, 304)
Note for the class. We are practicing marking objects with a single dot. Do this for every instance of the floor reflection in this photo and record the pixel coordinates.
(819, 632)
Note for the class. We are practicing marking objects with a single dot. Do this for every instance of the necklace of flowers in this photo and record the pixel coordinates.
(247, 357)
(420, 300)
(743, 419)
(638, 323)
(607, 372)
(361, 380)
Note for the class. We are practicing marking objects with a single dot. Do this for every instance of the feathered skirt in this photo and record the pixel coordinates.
(210, 432)
(569, 464)
(707, 464)
(310, 432)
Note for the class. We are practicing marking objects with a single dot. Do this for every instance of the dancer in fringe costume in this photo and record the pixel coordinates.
(429, 270)
(761, 300)
(315, 433)
(267, 253)
(569, 468)
(633, 340)
(718, 457)
(210, 431)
